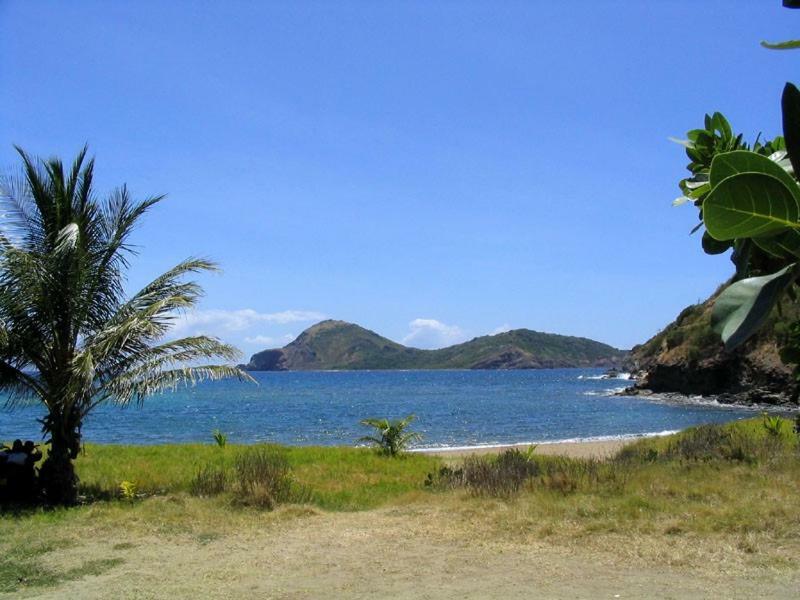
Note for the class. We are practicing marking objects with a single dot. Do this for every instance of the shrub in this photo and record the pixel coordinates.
(498, 476)
(707, 339)
(705, 442)
(746, 442)
(674, 338)
(446, 478)
(508, 473)
(688, 312)
(261, 478)
(715, 442)
(209, 481)
(637, 454)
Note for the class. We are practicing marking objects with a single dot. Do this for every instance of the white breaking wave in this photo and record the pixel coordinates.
(605, 393)
(625, 376)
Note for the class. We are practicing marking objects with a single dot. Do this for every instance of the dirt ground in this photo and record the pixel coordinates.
(402, 552)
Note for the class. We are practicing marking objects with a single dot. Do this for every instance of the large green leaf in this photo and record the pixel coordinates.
(741, 309)
(737, 162)
(790, 107)
(784, 245)
(718, 123)
(750, 205)
(712, 246)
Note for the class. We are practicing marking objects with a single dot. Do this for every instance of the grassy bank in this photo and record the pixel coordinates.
(336, 478)
(717, 495)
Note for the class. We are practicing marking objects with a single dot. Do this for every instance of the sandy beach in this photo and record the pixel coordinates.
(587, 449)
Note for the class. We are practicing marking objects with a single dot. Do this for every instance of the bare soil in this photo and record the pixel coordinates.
(416, 551)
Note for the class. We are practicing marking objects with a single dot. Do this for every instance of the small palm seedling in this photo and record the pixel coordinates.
(128, 490)
(220, 438)
(774, 425)
(391, 436)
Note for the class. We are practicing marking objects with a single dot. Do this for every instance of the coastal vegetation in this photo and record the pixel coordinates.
(220, 439)
(721, 494)
(344, 346)
(748, 200)
(334, 478)
(70, 338)
(391, 437)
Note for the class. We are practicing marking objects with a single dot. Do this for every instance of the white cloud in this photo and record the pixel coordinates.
(502, 329)
(430, 333)
(270, 341)
(221, 322)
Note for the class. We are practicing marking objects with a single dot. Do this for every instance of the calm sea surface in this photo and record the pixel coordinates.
(454, 408)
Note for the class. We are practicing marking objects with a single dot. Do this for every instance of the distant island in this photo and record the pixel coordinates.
(338, 345)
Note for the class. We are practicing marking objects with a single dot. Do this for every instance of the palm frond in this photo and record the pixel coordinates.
(381, 424)
(371, 440)
(136, 385)
(63, 309)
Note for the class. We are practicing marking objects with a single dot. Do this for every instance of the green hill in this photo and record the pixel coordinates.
(337, 345)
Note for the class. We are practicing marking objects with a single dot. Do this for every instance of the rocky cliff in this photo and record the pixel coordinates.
(687, 357)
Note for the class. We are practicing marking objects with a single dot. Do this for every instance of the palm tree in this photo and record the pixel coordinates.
(69, 336)
(393, 437)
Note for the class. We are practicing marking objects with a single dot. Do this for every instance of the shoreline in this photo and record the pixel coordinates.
(722, 400)
(592, 447)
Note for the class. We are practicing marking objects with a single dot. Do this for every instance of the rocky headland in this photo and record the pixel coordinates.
(688, 358)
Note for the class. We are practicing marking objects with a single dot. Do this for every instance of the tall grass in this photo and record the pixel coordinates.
(752, 442)
(262, 478)
(512, 472)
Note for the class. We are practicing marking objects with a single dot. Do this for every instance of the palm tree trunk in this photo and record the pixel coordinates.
(57, 476)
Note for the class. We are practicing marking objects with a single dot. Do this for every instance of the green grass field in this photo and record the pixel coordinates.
(337, 478)
(734, 486)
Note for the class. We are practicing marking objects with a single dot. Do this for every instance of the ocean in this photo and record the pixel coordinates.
(454, 409)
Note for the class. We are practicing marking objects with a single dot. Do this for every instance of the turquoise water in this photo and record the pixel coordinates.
(454, 408)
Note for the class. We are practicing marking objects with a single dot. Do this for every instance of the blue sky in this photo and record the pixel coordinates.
(432, 171)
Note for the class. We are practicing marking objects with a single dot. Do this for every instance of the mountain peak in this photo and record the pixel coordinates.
(327, 325)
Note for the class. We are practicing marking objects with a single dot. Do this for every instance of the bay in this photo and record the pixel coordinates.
(453, 409)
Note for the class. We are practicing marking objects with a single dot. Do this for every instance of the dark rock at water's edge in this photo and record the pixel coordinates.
(688, 358)
(333, 345)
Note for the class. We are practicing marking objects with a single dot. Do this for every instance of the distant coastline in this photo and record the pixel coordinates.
(337, 345)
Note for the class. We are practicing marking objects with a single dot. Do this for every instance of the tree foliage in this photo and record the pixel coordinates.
(70, 338)
(749, 200)
(702, 146)
(755, 199)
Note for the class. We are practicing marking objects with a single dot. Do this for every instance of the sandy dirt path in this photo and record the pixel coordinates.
(402, 552)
